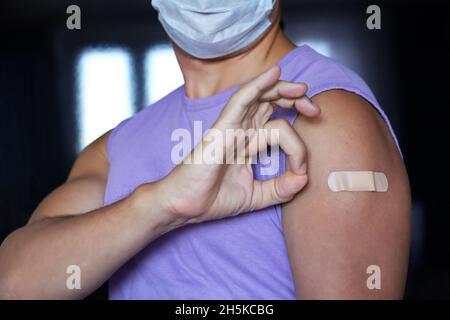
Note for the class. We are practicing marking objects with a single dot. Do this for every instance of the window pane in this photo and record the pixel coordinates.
(163, 75)
(105, 93)
(321, 46)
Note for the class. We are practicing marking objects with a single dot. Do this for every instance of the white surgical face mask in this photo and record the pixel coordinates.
(209, 29)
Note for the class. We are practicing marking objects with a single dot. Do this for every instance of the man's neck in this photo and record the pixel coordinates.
(208, 77)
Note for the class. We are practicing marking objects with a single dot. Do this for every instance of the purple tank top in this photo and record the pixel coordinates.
(242, 257)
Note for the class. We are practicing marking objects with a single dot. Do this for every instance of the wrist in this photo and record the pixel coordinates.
(149, 201)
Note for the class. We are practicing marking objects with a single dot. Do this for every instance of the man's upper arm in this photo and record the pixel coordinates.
(332, 238)
(84, 189)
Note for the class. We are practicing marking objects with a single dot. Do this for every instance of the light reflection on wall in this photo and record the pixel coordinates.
(162, 73)
(321, 46)
(105, 91)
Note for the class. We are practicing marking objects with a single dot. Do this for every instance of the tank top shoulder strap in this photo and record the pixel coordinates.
(321, 74)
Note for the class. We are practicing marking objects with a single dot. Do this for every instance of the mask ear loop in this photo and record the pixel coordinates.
(357, 181)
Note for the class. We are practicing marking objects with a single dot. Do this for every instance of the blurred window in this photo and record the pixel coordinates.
(105, 91)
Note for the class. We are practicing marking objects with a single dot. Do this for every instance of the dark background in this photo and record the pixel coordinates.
(406, 63)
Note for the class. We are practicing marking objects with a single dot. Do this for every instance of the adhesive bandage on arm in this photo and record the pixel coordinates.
(357, 181)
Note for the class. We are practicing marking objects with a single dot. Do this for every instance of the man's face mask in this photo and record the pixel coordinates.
(209, 29)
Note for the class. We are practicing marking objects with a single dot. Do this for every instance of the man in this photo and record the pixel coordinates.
(162, 230)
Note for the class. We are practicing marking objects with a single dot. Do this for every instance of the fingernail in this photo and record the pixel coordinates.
(302, 169)
(314, 106)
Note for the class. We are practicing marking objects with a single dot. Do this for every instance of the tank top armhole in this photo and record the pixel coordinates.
(112, 137)
(352, 89)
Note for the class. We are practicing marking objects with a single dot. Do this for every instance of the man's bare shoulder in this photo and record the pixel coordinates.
(84, 189)
(349, 129)
(93, 160)
(349, 135)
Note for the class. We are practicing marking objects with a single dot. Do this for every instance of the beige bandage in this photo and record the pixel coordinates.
(357, 181)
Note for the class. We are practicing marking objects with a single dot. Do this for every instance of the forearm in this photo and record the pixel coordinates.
(34, 259)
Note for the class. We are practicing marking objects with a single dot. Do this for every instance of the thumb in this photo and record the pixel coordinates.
(277, 190)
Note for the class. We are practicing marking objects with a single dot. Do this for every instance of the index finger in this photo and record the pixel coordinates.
(253, 90)
(288, 95)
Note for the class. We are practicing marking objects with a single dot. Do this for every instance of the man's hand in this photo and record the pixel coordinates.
(202, 191)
